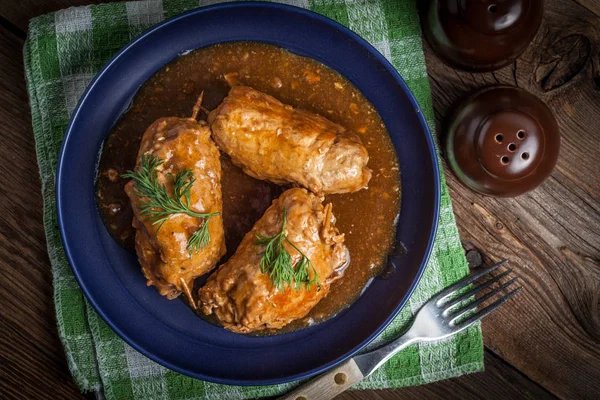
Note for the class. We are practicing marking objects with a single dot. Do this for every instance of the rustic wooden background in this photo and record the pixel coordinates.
(545, 344)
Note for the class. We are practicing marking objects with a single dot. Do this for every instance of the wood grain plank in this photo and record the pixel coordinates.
(591, 5)
(551, 332)
(32, 363)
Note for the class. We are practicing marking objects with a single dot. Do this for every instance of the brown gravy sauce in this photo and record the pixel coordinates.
(367, 218)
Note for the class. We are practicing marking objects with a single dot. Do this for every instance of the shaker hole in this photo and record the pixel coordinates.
(493, 9)
(512, 147)
(521, 134)
(499, 138)
(505, 160)
(525, 156)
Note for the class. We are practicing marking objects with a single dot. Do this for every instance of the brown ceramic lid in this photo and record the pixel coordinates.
(481, 35)
(502, 141)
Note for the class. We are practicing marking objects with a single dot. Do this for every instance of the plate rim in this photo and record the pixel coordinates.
(382, 61)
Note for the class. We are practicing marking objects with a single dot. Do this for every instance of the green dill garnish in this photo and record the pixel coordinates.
(278, 263)
(158, 205)
(199, 239)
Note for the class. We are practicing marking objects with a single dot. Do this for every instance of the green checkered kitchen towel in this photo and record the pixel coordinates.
(63, 52)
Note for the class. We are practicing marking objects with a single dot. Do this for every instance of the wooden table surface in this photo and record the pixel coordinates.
(545, 344)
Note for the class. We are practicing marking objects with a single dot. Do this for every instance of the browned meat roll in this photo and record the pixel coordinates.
(273, 141)
(176, 197)
(254, 290)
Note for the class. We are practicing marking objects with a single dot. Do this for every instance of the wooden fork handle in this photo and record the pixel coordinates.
(328, 385)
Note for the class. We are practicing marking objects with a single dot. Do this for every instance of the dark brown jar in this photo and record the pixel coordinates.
(480, 35)
(502, 141)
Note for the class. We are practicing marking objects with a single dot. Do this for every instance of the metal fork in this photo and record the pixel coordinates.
(442, 316)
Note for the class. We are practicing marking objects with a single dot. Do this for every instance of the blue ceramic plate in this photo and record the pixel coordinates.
(167, 331)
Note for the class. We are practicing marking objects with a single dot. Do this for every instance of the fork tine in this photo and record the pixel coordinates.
(473, 305)
(476, 290)
(445, 293)
(489, 308)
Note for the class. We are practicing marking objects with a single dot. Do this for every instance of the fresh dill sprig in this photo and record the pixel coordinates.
(157, 204)
(199, 239)
(278, 263)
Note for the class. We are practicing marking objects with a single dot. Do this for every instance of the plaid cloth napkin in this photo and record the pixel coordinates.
(64, 51)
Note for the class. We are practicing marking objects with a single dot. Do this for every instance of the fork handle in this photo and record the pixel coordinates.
(328, 385)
